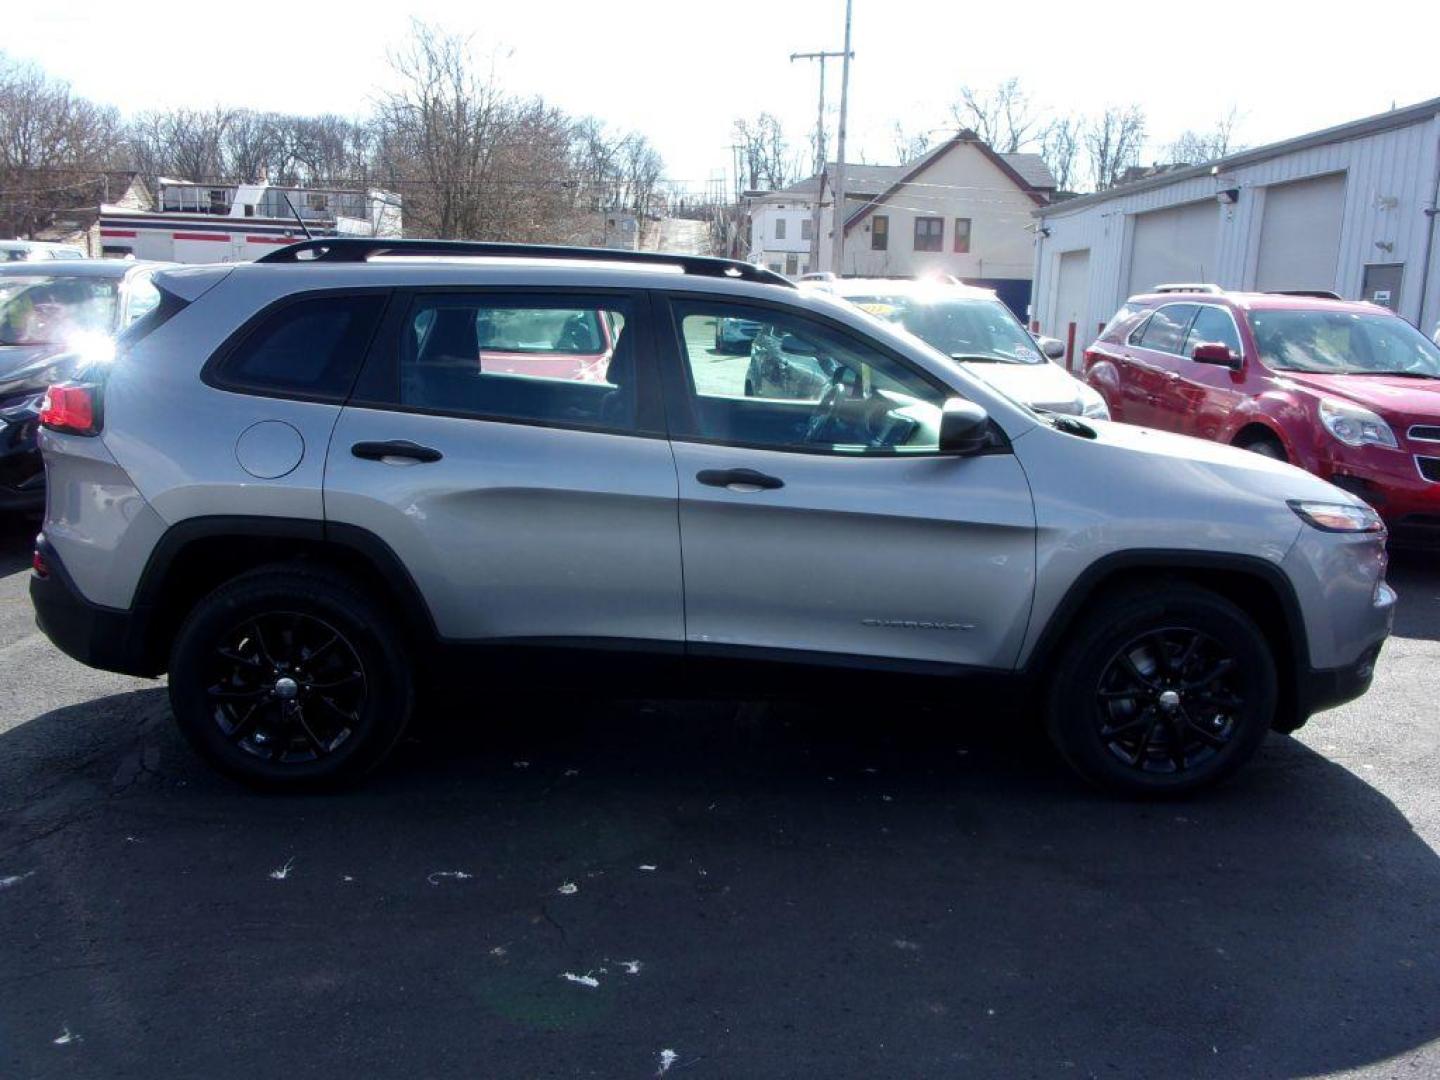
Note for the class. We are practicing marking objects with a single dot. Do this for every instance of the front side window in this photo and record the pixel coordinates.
(929, 233)
(1343, 343)
(805, 387)
(1213, 325)
(1165, 332)
(879, 233)
(42, 309)
(310, 348)
(962, 236)
(543, 359)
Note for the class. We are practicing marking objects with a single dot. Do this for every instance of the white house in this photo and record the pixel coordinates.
(781, 226)
(959, 209)
(1350, 209)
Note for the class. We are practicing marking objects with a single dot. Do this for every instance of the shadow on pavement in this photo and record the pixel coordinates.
(766, 891)
(1416, 577)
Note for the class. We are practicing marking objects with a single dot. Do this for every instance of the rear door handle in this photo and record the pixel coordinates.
(395, 448)
(744, 481)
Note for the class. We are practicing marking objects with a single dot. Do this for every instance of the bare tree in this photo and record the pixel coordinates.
(1112, 142)
(765, 155)
(1193, 147)
(53, 145)
(908, 145)
(1060, 147)
(1004, 117)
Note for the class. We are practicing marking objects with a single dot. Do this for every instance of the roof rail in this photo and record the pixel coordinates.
(1318, 294)
(361, 248)
(1186, 286)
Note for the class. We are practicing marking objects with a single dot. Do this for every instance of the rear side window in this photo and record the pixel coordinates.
(1127, 313)
(1165, 332)
(308, 349)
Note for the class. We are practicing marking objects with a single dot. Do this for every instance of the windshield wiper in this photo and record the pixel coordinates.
(983, 358)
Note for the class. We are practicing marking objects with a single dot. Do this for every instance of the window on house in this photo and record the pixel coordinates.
(317, 201)
(807, 228)
(792, 264)
(962, 236)
(879, 233)
(929, 233)
(780, 228)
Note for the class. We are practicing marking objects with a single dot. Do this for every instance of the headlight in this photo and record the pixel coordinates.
(1338, 517)
(1093, 405)
(1355, 425)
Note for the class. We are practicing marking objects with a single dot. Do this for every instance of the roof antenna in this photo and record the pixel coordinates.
(286, 196)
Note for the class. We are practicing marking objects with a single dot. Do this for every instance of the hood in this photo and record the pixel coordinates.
(1226, 465)
(22, 365)
(1041, 386)
(1379, 393)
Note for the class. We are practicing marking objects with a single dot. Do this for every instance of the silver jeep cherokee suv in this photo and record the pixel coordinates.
(306, 485)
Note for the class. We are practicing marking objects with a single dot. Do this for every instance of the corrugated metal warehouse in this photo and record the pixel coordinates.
(1349, 209)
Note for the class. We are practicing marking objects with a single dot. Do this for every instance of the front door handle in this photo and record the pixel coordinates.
(395, 448)
(744, 481)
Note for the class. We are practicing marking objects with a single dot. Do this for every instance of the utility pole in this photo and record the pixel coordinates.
(837, 247)
(815, 216)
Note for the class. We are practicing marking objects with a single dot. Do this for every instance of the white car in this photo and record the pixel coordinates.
(976, 330)
(37, 251)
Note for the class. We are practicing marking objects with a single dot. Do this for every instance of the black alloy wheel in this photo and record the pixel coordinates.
(1167, 701)
(1161, 689)
(287, 687)
(291, 677)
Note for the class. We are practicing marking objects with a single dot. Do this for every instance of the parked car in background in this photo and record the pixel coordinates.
(268, 496)
(1347, 390)
(974, 328)
(548, 343)
(37, 251)
(55, 316)
(735, 335)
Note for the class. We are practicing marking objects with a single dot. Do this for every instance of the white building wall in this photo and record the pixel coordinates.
(963, 183)
(1390, 182)
(766, 249)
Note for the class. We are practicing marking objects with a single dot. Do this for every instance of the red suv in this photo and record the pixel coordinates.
(1347, 390)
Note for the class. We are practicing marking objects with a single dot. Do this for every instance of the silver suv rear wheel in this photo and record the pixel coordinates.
(289, 677)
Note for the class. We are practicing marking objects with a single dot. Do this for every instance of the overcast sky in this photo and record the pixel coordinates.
(682, 71)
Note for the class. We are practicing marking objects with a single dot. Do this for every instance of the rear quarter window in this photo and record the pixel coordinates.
(1125, 317)
(310, 348)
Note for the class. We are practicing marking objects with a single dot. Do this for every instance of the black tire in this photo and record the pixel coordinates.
(1118, 729)
(334, 722)
(1265, 446)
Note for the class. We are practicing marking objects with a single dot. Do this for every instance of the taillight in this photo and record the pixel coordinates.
(73, 408)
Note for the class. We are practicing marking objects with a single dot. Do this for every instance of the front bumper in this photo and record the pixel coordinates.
(112, 639)
(1325, 688)
(1394, 483)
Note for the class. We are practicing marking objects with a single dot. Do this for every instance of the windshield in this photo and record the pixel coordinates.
(1343, 343)
(962, 329)
(42, 310)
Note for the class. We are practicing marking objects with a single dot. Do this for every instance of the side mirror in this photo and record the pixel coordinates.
(964, 428)
(1215, 352)
(1053, 348)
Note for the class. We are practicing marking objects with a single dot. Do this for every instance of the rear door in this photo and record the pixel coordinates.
(826, 523)
(1154, 356)
(529, 507)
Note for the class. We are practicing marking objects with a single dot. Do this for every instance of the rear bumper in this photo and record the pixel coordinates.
(112, 639)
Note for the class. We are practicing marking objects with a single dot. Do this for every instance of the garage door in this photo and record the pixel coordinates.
(1174, 245)
(1300, 234)
(1072, 296)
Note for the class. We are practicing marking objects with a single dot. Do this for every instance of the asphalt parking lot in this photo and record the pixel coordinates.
(569, 887)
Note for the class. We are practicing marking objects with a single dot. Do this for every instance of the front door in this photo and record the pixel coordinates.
(1154, 350)
(1205, 396)
(509, 448)
(823, 521)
